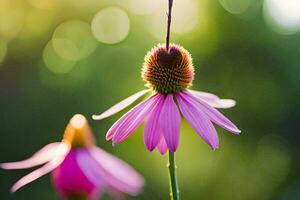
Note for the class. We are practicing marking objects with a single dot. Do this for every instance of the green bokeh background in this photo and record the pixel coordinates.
(236, 56)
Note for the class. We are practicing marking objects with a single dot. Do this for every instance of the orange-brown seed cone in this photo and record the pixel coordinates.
(168, 71)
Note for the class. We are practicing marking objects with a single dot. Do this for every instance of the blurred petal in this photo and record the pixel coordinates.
(119, 175)
(44, 155)
(152, 132)
(69, 177)
(38, 173)
(162, 146)
(198, 120)
(90, 167)
(214, 115)
(120, 106)
(214, 100)
(169, 121)
(129, 122)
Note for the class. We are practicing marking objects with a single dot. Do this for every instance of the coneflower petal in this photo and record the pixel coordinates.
(69, 177)
(129, 122)
(169, 121)
(90, 168)
(126, 117)
(118, 174)
(214, 100)
(152, 132)
(198, 120)
(120, 106)
(42, 156)
(214, 115)
(37, 173)
(162, 146)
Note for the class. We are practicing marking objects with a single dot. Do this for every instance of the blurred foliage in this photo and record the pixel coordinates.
(61, 57)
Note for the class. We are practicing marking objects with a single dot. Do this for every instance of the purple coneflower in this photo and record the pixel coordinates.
(79, 169)
(169, 74)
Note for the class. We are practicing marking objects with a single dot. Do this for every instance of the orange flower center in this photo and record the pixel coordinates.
(78, 133)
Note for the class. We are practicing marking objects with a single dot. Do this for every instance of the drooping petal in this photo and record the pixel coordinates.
(90, 167)
(120, 106)
(129, 122)
(162, 146)
(69, 177)
(198, 120)
(152, 132)
(169, 121)
(125, 118)
(214, 100)
(129, 115)
(44, 155)
(119, 175)
(213, 114)
(37, 173)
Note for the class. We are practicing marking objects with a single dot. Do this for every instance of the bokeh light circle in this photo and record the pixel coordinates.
(111, 25)
(3, 50)
(235, 6)
(185, 16)
(283, 15)
(73, 40)
(54, 62)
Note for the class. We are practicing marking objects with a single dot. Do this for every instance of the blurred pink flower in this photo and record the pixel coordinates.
(78, 167)
(169, 74)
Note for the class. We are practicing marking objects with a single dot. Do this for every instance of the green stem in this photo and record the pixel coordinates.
(174, 188)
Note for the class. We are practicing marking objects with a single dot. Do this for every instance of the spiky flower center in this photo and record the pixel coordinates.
(168, 71)
(78, 133)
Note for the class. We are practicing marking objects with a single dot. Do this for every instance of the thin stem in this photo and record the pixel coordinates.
(174, 188)
(169, 24)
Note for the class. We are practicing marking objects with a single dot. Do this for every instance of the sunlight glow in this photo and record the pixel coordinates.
(45, 4)
(186, 16)
(12, 14)
(37, 23)
(283, 15)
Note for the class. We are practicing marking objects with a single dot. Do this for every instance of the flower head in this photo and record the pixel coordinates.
(169, 74)
(79, 169)
(168, 71)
